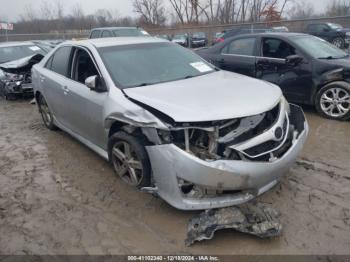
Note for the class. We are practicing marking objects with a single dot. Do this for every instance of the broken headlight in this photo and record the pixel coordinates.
(9, 77)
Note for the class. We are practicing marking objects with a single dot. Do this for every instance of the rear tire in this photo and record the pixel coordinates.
(333, 101)
(130, 160)
(46, 113)
(338, 42)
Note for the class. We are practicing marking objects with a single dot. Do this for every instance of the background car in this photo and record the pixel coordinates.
(166, 37)
(308, 69)
(239, 31)
(333, 33)
(117, 32)
(181, 39)
(16, 60)
(199, 39)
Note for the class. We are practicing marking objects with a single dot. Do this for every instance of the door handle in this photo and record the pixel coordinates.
(65, 90)
(220, 62)
(42, 79)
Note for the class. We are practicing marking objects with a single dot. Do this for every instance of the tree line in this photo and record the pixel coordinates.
(51, 16)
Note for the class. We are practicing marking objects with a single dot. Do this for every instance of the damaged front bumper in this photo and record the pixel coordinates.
(18, 88)
(190, 183)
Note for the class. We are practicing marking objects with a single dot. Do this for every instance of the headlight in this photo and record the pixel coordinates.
(13, 77)
(285, 104)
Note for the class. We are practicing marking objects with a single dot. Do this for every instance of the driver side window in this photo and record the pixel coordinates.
(84, 67)
(276, 48)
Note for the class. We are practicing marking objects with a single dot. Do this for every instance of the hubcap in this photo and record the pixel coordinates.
(45, 111)
(126, 163)
(335, 102)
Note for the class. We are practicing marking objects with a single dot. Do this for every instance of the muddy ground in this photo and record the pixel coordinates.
(58, 197)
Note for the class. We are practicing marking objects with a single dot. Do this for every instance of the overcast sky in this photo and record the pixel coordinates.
(12, 9)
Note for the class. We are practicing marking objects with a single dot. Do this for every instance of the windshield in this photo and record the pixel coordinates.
(151, 63)
(318, 48)
(130, 32)
(335, 26)
(10, 53)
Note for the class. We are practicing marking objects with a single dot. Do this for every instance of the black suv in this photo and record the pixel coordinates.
(333, 33)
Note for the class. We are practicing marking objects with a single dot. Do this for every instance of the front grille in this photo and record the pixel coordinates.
(268, 145)
(268, 121)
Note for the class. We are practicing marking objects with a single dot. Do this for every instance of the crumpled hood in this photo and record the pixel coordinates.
(21, 64)
(216, 96)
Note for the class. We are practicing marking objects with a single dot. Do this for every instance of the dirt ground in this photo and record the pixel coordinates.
(58, 197)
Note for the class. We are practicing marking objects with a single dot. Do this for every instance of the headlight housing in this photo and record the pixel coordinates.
(9, 77)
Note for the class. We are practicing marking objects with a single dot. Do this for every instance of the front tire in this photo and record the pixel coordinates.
(130, 159)
(338, 42)
(333, 101)
(46, 113)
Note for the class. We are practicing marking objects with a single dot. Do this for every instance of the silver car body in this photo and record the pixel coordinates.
(234, 104)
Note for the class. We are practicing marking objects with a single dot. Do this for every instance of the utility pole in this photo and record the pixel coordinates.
(6, 33)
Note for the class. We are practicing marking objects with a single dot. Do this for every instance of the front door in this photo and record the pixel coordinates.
(294, 80)
(86, 105)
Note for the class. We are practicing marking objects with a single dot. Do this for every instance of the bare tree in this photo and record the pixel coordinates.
(78, 16)
(338, 8)
(301, 10)
(151, 11)
(46, 10)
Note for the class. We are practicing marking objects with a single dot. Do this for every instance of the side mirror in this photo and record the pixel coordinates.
(95, 83)
(293, 60)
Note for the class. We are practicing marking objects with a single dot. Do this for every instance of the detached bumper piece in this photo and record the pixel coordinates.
(257, 219)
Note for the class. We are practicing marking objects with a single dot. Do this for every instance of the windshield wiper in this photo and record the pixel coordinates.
(327, 57)
(189, 76)
(143, 84)
(333, 57)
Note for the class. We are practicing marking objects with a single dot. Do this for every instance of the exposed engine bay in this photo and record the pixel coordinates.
(232, 139)
(15, 77)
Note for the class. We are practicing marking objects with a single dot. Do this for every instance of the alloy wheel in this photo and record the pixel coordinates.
(126, 163)
(335, 102)
(338, 42)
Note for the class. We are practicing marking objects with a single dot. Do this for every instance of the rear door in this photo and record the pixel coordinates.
(294, 80)
(238, 56)
(53, 78)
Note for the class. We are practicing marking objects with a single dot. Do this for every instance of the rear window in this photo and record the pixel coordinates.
(95, 34)
(130, 32)
(106, 34)
(61, 60)
(243, 46)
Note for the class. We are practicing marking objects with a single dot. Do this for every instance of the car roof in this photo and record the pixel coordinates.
(118, 41)
(8, 44)
(274, 34)
(114, 28)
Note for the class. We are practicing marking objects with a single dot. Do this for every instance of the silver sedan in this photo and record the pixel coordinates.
(169, 122)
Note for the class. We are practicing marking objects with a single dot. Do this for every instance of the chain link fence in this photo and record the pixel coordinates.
(210, 30)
